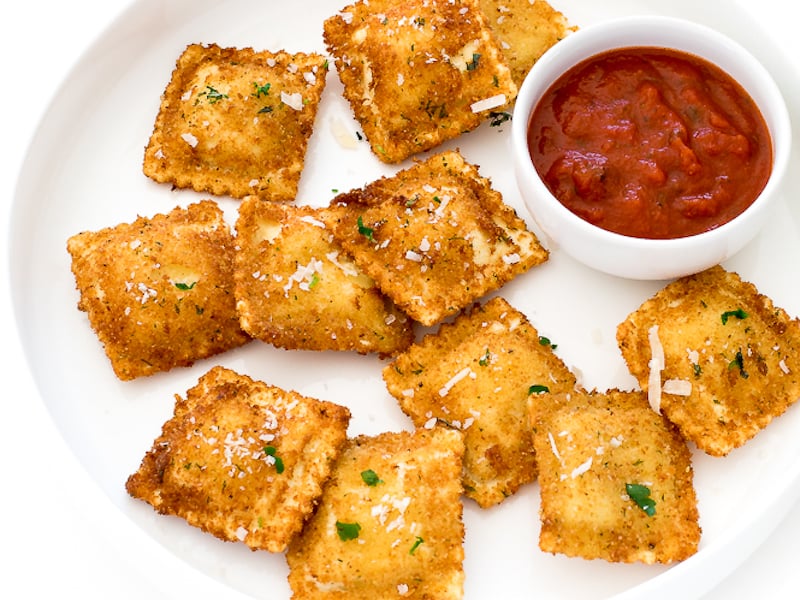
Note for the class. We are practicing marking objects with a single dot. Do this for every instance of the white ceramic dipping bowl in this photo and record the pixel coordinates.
(631, 257)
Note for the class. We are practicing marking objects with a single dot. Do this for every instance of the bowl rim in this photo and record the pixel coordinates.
(599, 37)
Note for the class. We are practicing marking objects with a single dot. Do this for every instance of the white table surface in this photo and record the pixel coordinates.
(53, 547)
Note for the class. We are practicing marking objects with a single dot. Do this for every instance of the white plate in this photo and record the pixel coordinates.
(83, 171)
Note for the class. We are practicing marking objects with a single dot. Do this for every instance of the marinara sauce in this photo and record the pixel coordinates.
(650, 143)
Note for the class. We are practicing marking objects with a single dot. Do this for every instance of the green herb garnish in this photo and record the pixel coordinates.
(364, 230)
(640, 494)
(738, 363)
(484, 360)
(261, 90)
(738, 313)
(416, 545)
(544, 341)
(371, 478)
(185, 286)
(347, 531)
(538, 389)
(471, 66)
(271, 451)
(498, 118)
(212, 95)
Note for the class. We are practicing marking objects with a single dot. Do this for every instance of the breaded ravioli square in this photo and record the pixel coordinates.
(716, 356)
(616, 480)
(435, 237)
(476, 374)
(242, 460)
(297, 289)
(159, 291)
(389, 524)
(525, 30)
(236, 122)
(417, 72)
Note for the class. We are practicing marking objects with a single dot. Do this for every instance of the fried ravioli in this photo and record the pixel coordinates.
(525, 30)
(419, 72)
(475, 374)
(158, 291)
(389, 523)
(236, 122)
(242, 460)
(297, 289)
(435, 237)
(616, 481)
(716, 357)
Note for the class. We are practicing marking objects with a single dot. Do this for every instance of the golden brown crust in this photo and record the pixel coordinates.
(589, 447)
(475, 375)
(525, 30)
(158, 291)
(741, 369)
(435, 237)
(413, 71)
(236, 122)
(242, 460)
(389, 522)
(297, 289)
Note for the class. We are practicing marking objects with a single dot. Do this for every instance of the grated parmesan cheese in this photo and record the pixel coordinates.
(582, 468)
(465, 372)
(294, 101)
(189, 139)
(656, 365)
(312, 221)
(677, 387)
(488, 103)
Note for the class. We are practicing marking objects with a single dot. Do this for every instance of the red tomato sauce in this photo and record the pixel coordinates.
(650, 143)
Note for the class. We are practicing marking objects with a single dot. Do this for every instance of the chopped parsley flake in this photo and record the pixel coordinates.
(544, 341)
(185, 286)
(498, 118)
(738, 363)
(471, 66)
(371, 478)
(538, 389)
(265, 110)
(738, 313)
(419, 541)
(271, 451)
(212, 95)
(640, 494)
(347, 531)
(364, 230)
(484, 360)
(261, 90)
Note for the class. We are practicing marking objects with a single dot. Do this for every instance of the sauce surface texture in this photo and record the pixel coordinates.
(650, 143)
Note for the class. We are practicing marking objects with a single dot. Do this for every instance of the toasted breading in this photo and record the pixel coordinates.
(475, 374)
(297, 289)
(417, 72)
(242, 460)
(525, 30)
(389, 523)
(158, 291)
(731, 358)
(589, 448)
(236, 122)
(435, 237)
